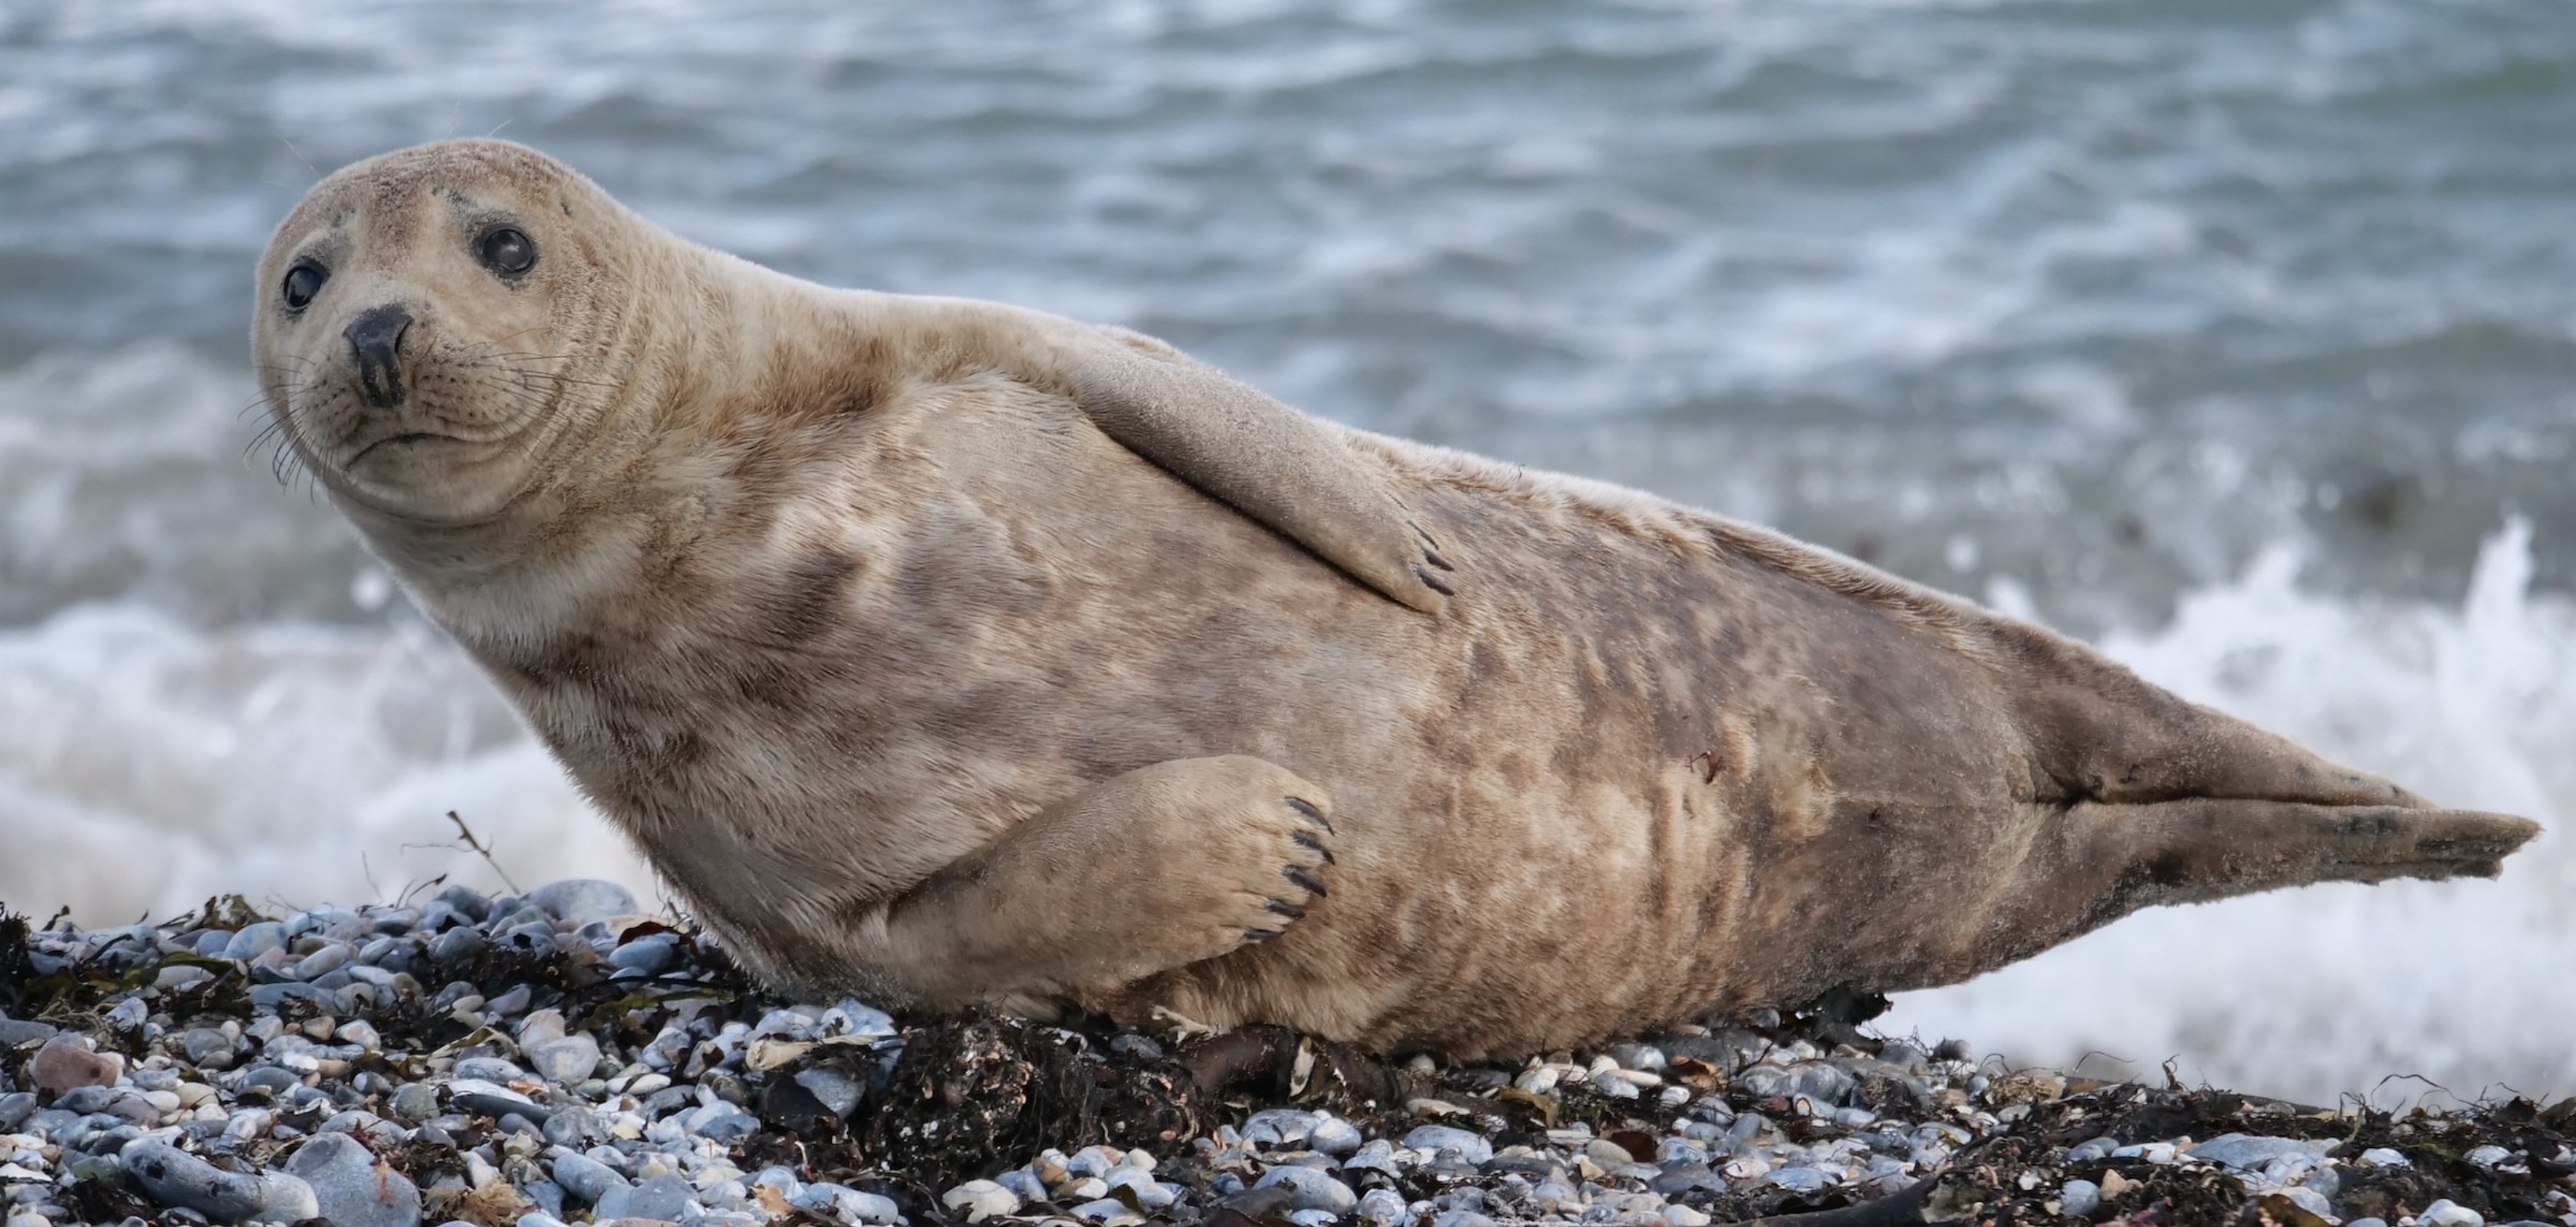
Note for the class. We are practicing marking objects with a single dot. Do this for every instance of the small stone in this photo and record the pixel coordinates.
(2246, 1151)
(1639, 1056)
(980, 1200)
(490, 1069)
(721, 1122)
(416, 1102)
(582, 900)
(173, 1177)
(565, 1061)
(1801, 1179)
(2446, 1213)
(2079, 1198)
(2367, 1222)
(649, 955)
(836, 1091)
(285, 1198)
(2381, 1156)
(1381, 1207)
(665, 1197)
(1279, 1126)
(2487, 1156)
(2093, 1150)
(1335, 1136)
(586, 1178)
(540, 1028)
(2311, 1201)
(1608, 1082)
(1377, 1155)
(328, 959)
(484, 1098)
(1437, 1139)
(353, 1189)
(1680, 1215)
(254, 940)
(1311, 1189)
(66, 1062)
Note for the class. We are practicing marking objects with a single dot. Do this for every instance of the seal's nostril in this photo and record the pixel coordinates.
(375, 337)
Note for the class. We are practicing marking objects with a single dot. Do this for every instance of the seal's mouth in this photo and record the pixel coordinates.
(406, 439)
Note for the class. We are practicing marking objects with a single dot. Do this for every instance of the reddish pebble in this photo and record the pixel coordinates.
(64, 1063)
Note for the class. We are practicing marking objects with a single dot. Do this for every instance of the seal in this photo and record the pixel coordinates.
(958, 654)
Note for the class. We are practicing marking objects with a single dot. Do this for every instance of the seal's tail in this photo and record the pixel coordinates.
(2107, 860)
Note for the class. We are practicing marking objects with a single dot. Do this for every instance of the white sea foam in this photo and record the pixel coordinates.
(149, 765)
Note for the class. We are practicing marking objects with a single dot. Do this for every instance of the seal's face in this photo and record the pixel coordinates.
(419, 319)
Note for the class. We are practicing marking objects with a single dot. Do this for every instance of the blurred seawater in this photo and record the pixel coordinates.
(2241, 339)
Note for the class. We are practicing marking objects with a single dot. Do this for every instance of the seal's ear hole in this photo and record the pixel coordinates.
(506, 250)
(303, 282)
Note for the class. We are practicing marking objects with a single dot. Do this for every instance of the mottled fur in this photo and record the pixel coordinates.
(954, 652)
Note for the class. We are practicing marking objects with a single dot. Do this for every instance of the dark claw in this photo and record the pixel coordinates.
(1259, 935)
(1305, 881)
(1419, 531)
(1433, 557)
(1304, 840)
(1287, 909)
(1312, 814)
(1433, 582)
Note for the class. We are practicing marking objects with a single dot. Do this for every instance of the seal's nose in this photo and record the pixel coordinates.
(375, 336)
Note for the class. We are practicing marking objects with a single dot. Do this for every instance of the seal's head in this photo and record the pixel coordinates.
(421, 317)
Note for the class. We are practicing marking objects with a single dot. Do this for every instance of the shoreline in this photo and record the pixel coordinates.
(559, 1057)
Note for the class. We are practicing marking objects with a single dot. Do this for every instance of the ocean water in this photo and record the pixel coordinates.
(2240, 340)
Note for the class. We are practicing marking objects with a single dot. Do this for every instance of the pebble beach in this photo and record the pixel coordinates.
(561, 1056)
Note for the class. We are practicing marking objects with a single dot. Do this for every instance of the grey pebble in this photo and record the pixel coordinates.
(649, 955)
(255, 940)
(352, 1189)
(2093, 1151)
(416, 1102)
(2079, 1198)
(1278, 1126)
(1311, 1189)
(1335, 1136)
(567, 1060)
(488, 1099)
(836, 1091)
(582, 900)
(2242, 1150)
(586, 1178)
(490, 1069)
(1801, 1179)
(329, 958)
(15, 1108)
(663, 1197)
(1437, 1138)
(207, 1048)
(174, 1177)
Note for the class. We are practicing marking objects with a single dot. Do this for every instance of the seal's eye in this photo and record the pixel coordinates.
(506, 251)
(303, 282)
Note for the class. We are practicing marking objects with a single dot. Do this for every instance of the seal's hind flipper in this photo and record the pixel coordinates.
(1258, 456)
(2104, 861)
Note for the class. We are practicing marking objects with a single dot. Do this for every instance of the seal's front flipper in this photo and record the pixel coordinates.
(2105, 861)
(1258, 456)
(1158, 868)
